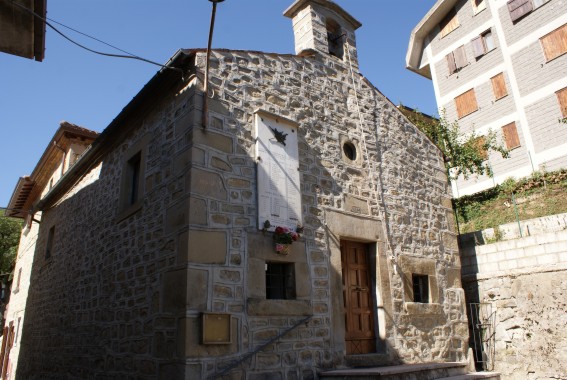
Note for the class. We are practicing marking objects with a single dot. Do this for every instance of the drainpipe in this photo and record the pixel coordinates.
(205, 120)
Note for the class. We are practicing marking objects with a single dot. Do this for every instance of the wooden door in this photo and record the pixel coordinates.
(358, 299)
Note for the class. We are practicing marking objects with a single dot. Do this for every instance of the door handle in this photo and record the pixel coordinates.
(360, 289)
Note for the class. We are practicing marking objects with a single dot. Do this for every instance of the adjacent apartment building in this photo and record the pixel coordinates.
(153, 255)
(499, 65)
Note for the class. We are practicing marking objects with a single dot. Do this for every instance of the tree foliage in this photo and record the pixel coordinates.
(464, 154)
(9, 239)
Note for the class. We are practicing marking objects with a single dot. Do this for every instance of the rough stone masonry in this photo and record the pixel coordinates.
(127, 286)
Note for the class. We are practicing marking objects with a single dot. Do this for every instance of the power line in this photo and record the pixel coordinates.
(91, 37)
(128, 56)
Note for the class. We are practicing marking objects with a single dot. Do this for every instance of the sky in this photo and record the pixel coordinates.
(90, 90)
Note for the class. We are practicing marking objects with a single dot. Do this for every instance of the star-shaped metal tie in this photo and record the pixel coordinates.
(280, 136)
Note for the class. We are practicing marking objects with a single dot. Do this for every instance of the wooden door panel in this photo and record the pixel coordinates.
(358, 299)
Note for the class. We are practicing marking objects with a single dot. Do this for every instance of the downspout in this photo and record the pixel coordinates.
(205, 120)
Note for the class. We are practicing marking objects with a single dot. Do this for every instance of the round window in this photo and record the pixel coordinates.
(349, 150)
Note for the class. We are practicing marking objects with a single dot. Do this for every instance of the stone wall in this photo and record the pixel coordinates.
(123, 292)
(524, 282)
(15, 311)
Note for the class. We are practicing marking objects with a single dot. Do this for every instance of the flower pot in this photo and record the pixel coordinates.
(282, 249)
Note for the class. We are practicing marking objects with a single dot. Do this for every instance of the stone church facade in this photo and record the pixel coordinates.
(160, 267)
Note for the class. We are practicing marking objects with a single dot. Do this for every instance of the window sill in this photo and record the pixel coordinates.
(478, 12)
(264, 307)
(554, 58)
(484, 54)
(458, 70)
(418, 308)
(130, 210)
(470, 113)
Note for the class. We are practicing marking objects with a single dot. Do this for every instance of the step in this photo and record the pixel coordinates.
(368, 360)
(424, 371)
(474, 376)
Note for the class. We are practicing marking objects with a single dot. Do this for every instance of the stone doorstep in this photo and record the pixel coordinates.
(368, 360)
(474, 376)
(395, 370)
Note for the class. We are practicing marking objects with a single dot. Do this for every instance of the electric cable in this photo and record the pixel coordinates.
(128, 56)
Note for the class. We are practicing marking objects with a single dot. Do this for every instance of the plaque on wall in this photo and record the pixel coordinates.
(279, 196)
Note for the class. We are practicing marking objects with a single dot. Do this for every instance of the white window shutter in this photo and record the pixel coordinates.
(451, 63)
(460, 57)
(477, 47)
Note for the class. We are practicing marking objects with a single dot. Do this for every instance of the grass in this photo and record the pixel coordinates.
(544, 193)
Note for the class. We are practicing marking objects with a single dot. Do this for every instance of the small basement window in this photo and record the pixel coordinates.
(420, 288)
(280, 281)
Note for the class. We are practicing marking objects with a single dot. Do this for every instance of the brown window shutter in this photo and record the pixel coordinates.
(449, 23)
(499, 86)
(555, 43)
(562, 98)
(460, 57)
(451, 63)
(477, 46)
(519, 8)
(479, 142)
(466, 103)
(510, 133)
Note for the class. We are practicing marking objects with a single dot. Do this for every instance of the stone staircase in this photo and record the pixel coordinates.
(427, 371)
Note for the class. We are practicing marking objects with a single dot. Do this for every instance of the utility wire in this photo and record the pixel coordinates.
(91, 37)
(128, 56)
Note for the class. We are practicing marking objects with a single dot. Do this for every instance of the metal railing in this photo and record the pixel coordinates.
(247, 356)
(482, 320)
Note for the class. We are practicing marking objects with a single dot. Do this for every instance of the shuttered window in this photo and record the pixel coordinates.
(562, 98)
(480, 144)
(519, 8)
(449, 23)
(555, 43)
(499, 86)
(482, 44)
(456, 59)
(511, 138)
(477, 47)
(478, 5)
(466, 103)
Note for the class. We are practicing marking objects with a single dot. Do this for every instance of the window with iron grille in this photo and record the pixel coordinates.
(420, 288)
(280, 281)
